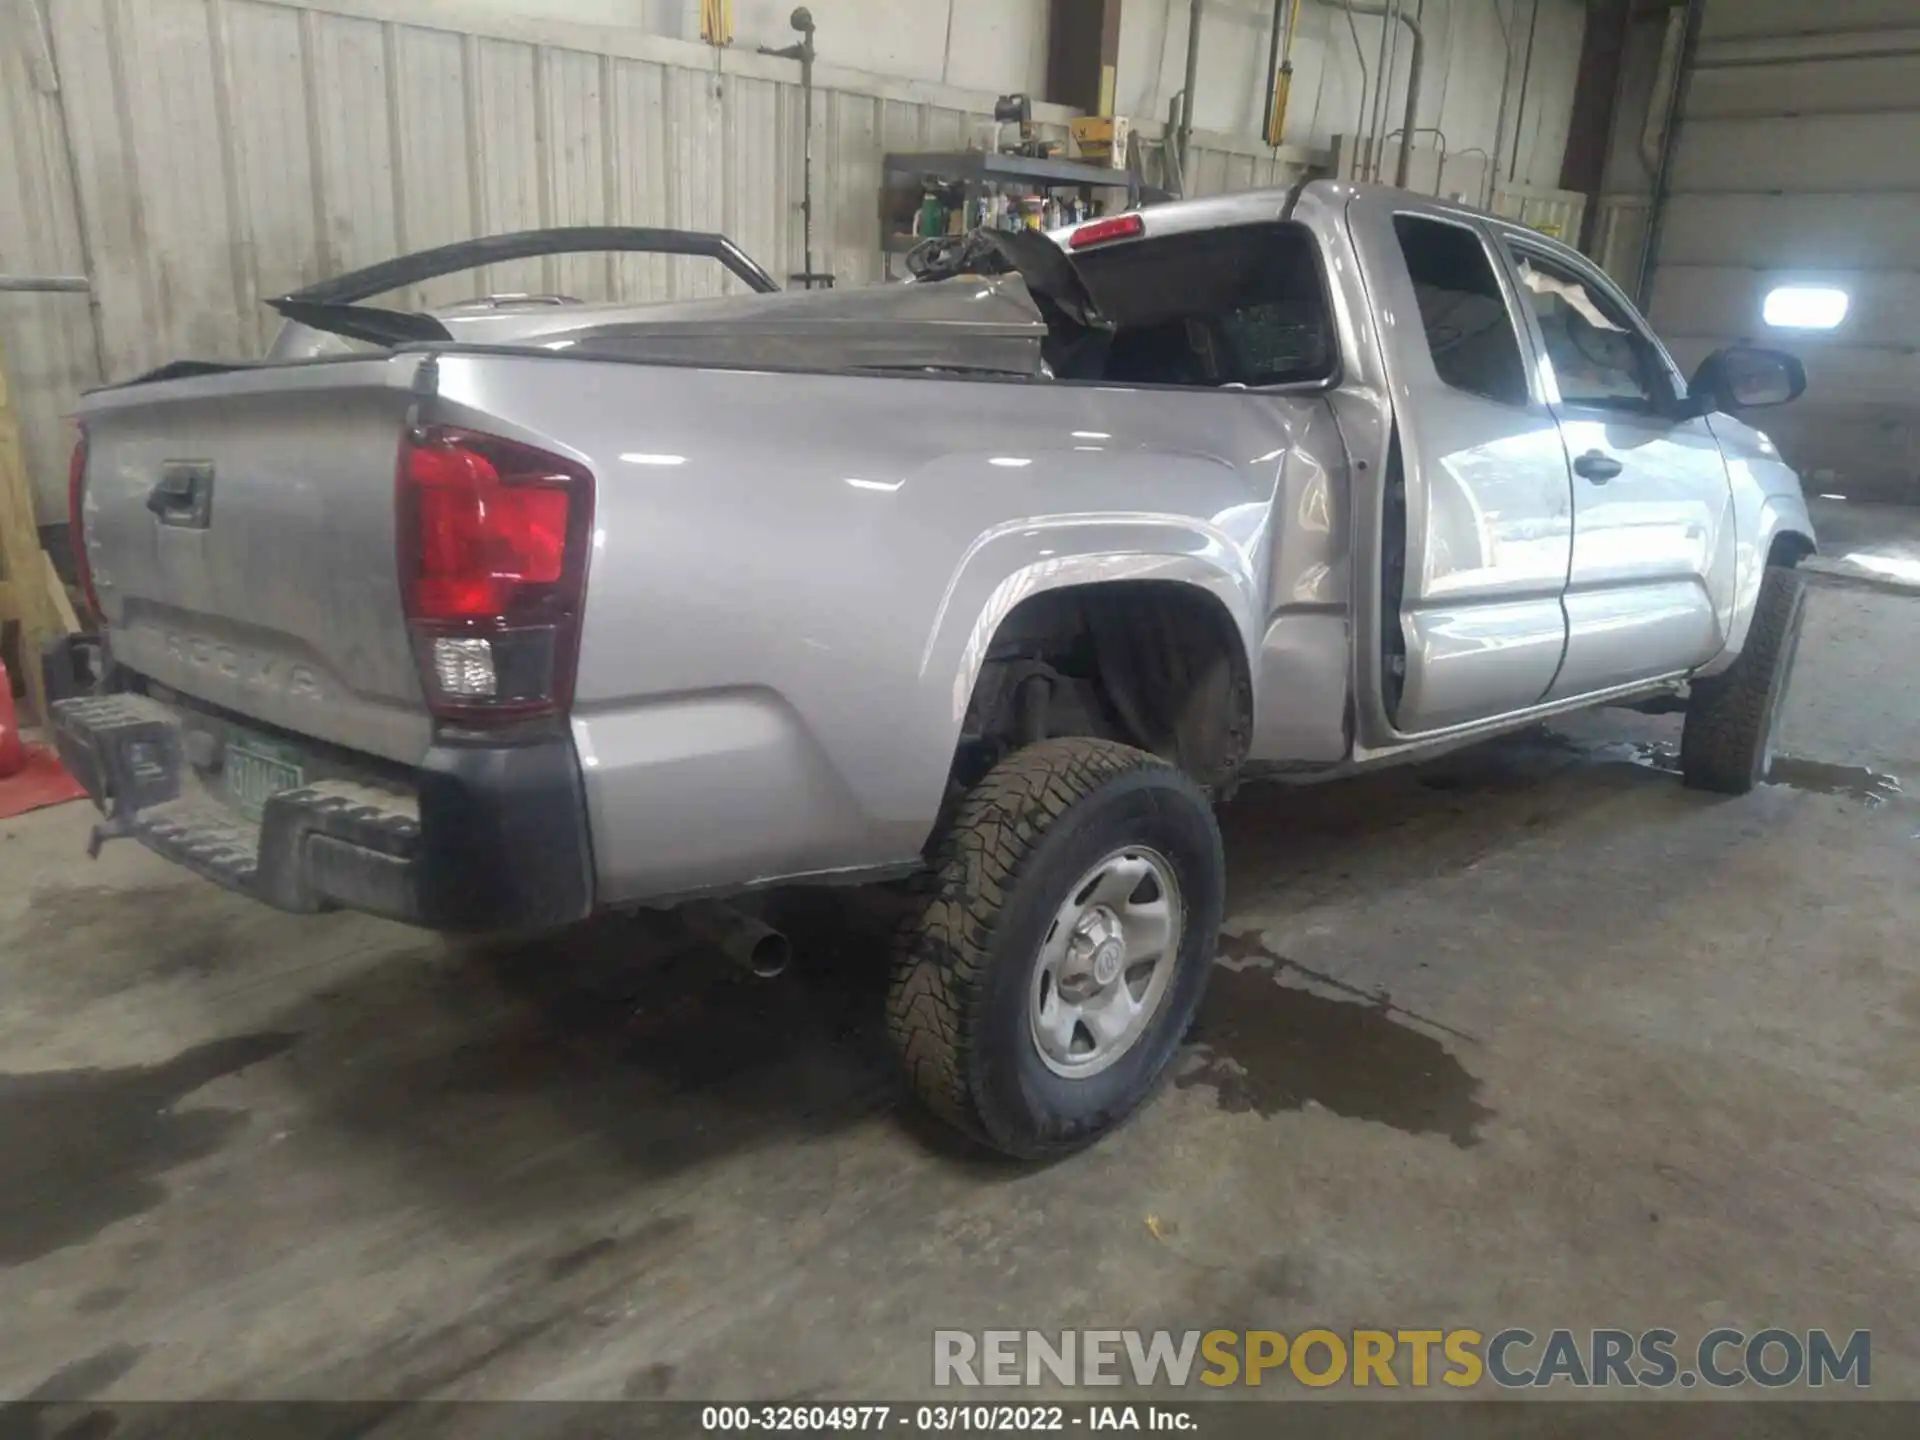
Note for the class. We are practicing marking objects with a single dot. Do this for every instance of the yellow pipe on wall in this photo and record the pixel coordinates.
(1283, 84)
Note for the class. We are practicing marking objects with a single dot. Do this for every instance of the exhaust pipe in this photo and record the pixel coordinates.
(746, 940)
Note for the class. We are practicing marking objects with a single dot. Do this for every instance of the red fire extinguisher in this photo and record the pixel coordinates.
(13, 750)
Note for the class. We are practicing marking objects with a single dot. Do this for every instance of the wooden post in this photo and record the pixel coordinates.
(28, 570)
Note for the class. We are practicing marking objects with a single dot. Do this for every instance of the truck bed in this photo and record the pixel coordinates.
(792, 583)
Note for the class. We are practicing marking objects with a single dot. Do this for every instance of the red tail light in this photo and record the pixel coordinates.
(493, 546)
(1099, 232)
(76, 519)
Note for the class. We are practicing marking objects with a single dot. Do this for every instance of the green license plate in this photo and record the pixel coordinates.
(255, 774)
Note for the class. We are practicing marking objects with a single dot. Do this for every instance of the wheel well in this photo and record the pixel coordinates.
(1790, 547)
(1154, 664)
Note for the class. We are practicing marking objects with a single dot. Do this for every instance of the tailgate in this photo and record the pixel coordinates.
(240, 529)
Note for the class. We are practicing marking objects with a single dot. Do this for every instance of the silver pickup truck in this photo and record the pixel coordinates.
(987, 586)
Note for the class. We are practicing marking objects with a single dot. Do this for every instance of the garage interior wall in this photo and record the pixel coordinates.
(1797, 162)
(1476, 59)
(49, 339)
(994, 45)
(195, 156)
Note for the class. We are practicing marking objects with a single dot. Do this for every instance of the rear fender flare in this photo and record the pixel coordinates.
(1016, 562)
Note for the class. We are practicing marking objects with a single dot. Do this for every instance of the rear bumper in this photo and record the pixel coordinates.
(492, 838)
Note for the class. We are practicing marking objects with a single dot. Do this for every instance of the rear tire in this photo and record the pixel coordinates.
(1727, 744)
(1059, 829)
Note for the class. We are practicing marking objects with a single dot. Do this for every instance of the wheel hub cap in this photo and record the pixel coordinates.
(1106, 963)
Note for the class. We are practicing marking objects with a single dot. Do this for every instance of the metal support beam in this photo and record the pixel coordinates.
(1596, 101)
(1526, 79)
(1670, 146)
(1186, 92)
(1083, 53)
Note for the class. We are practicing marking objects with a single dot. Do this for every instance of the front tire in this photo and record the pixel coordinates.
(1077, 896)
(1727, 744)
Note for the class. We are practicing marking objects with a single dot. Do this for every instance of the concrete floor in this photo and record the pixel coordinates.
(1872, 542)
(1532, 1036)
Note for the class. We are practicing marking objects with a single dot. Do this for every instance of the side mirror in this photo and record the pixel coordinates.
(1742, 377)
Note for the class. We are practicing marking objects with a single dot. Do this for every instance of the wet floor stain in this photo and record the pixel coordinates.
(1661, 755)
(649, 1382)
(1515, 758)
(1531, 756)
(580, 1257)
(1816, 777)
(1250, 947)
(100, 1140)
(543, 1309)
(102, 1299)
(1265, 1047)
(84, 1379)
(35, 1416)
(639, 1246)
(1648, 754)
(175, 930)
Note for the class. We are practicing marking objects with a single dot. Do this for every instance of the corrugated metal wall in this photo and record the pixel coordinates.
(226, 150)
(232, 149)
(1552, 212)
(1483, 59)
(48, 339)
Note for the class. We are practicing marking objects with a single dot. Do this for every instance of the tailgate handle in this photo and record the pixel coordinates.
(183, 495)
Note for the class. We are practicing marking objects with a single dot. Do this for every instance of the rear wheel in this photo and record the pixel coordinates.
(1039, 997)
(1727, 745)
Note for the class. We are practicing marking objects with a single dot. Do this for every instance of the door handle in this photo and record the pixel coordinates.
(1597, 466)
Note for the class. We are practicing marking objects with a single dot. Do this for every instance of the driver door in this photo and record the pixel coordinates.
(1653, 530)
(1478, 522)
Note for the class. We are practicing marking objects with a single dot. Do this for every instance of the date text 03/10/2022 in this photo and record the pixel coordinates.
(943, 1418)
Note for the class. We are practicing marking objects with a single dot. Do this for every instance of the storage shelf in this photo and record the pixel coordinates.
(978, 171)
(977, 166)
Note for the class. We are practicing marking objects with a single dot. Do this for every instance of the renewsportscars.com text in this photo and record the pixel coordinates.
(1513, 1358)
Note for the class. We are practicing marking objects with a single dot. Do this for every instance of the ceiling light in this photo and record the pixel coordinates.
(1805, 307)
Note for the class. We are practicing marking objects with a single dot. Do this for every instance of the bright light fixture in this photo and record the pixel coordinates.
(636, 459)
(1805, 307)
(1010, 462)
